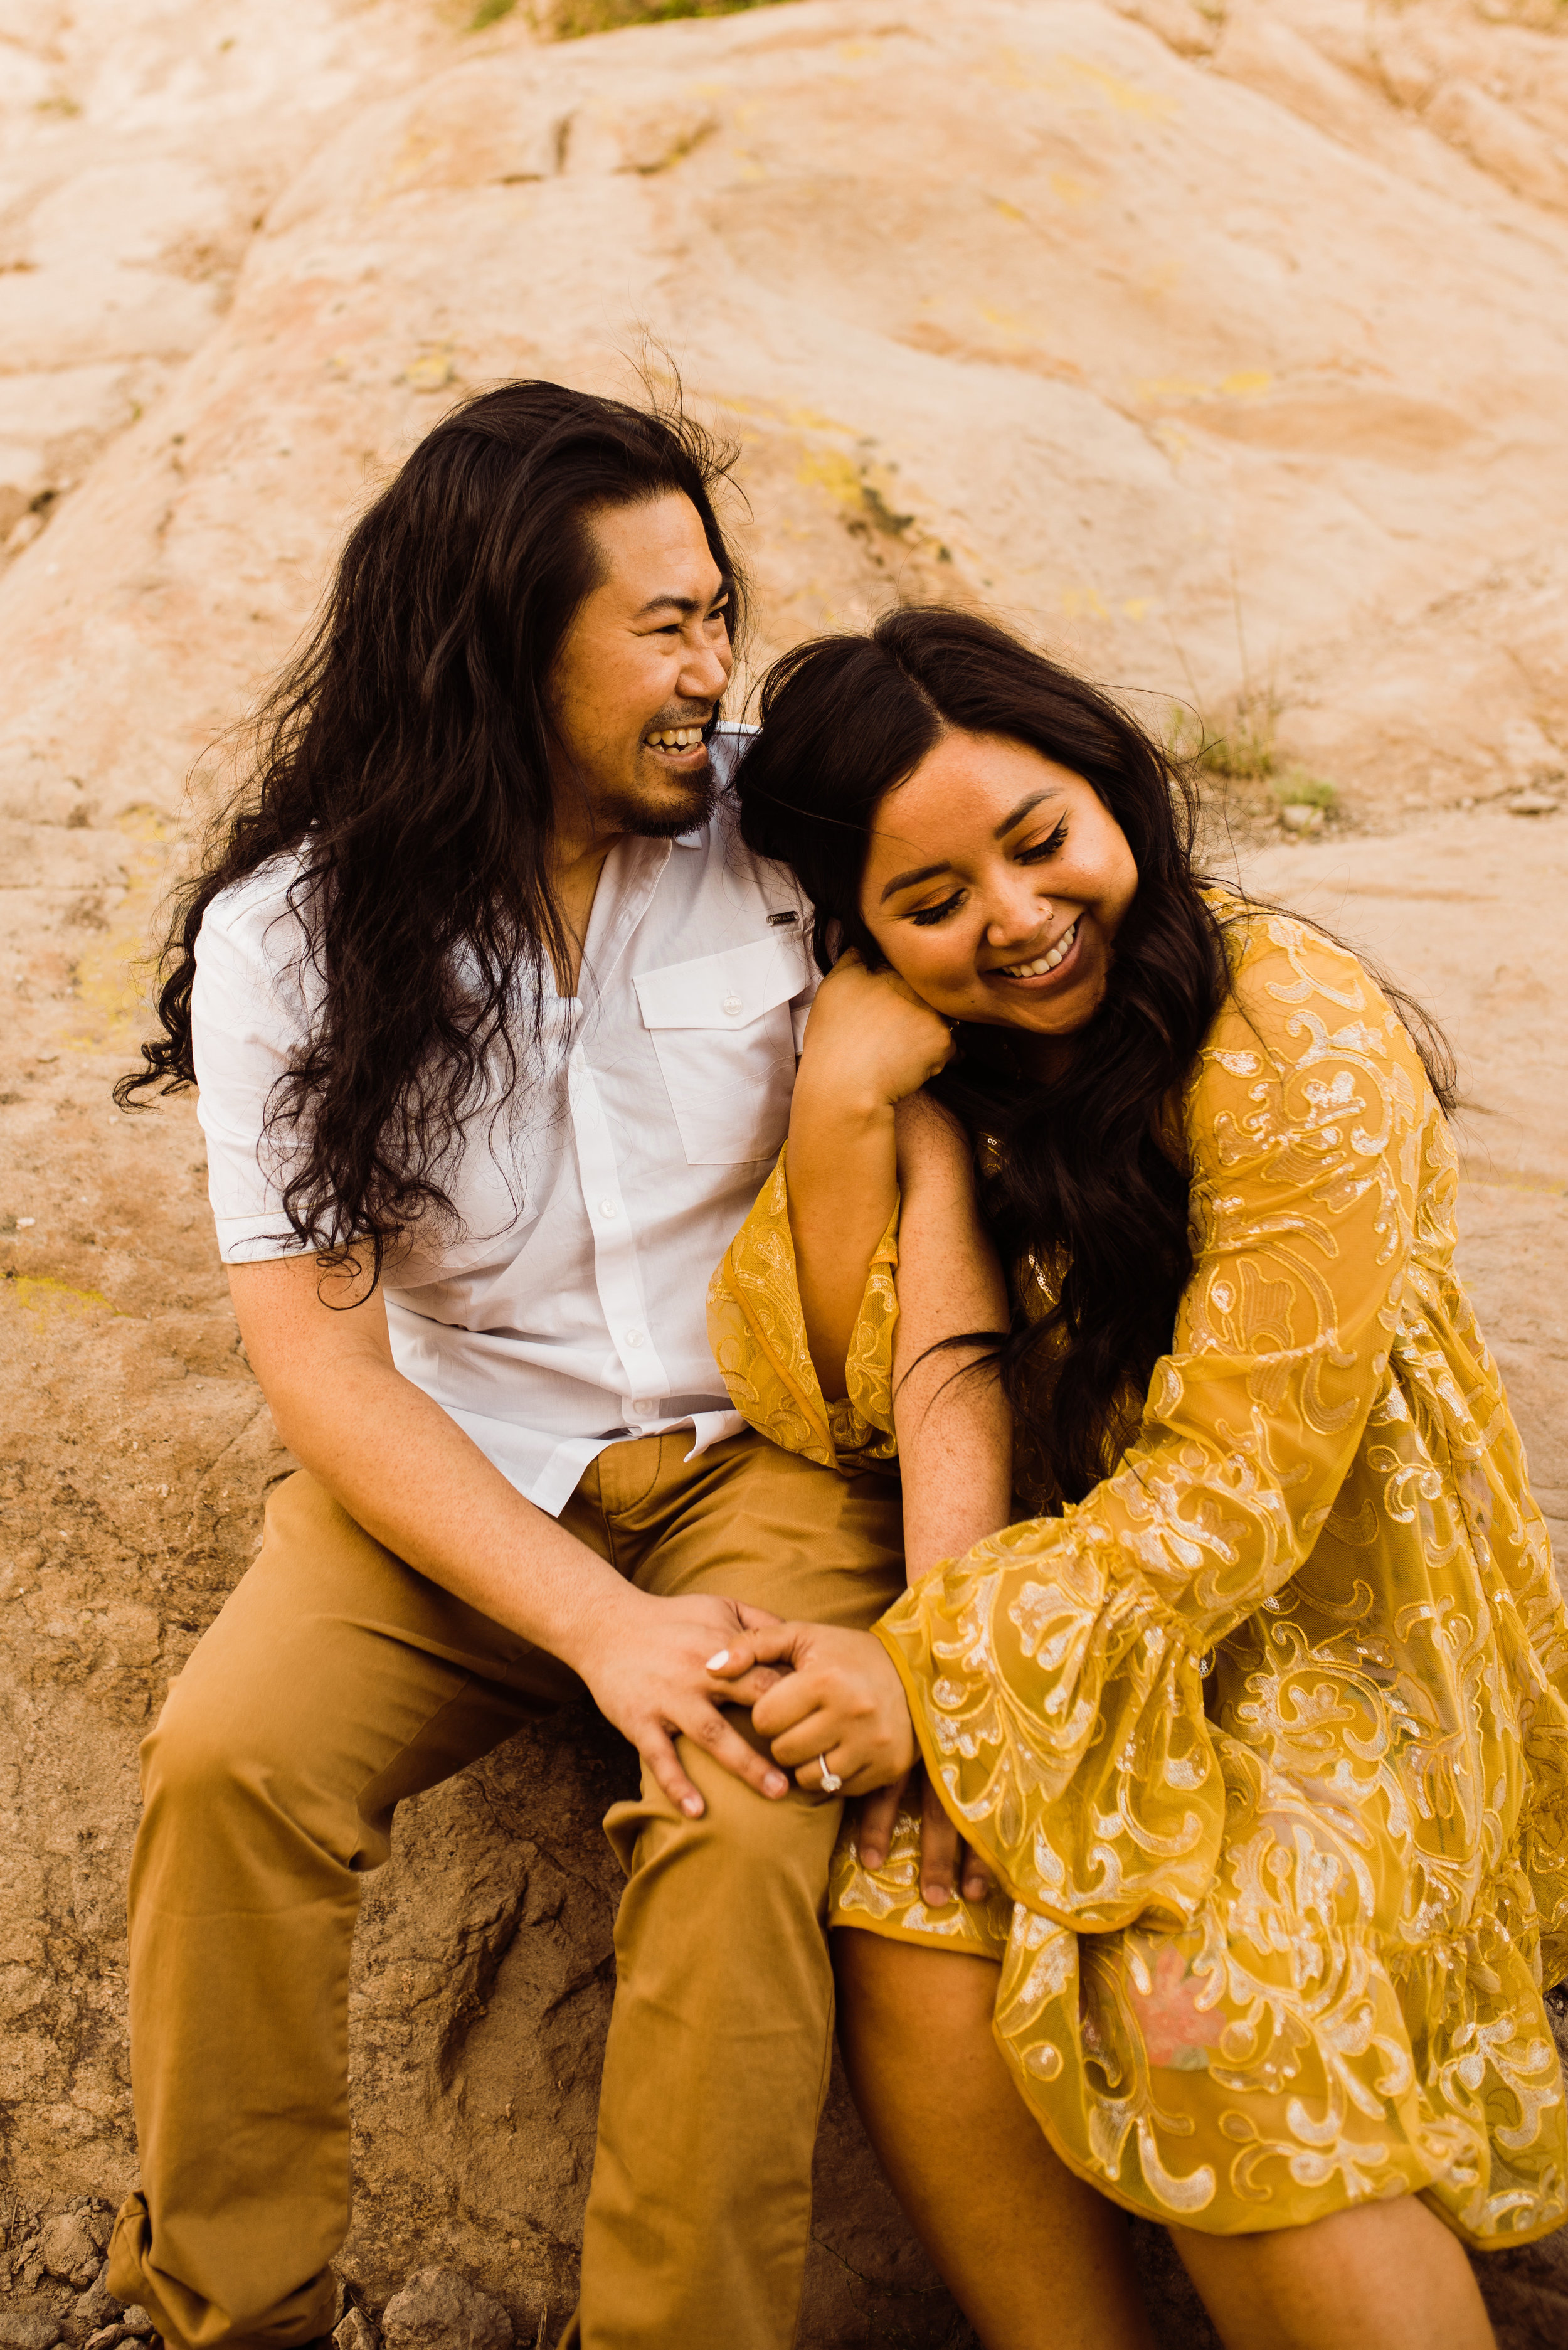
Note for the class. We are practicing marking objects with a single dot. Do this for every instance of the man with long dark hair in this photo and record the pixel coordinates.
(494, 1023)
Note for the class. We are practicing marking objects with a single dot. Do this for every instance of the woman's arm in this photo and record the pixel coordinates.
(954, 1426)
(952, 1422)
(869, 1042)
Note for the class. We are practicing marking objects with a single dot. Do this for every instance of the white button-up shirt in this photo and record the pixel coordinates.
(569, 1311)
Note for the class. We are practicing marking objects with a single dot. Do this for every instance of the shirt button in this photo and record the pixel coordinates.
(643, 1404)
(607, 1208)
(731, 1004)
(634, 1338)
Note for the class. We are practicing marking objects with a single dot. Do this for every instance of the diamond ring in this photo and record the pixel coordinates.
(831, 1782)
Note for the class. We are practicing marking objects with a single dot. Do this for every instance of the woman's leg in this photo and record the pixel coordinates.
(1385, 2276)
(1035, 2259)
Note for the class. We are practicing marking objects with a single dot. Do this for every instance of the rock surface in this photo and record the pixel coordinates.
(440, 2309)
(1222, 348)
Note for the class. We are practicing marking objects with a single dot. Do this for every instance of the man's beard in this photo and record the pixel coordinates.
(694, 798)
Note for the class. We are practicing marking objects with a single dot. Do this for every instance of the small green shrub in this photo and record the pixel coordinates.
(569, 20)
(490, 12)
(1296, 788)
(1241, 750)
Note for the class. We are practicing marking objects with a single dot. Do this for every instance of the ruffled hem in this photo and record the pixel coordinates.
(1202, 2081)
(889, 1901)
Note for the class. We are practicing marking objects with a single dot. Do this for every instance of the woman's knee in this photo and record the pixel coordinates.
(1385, 2270)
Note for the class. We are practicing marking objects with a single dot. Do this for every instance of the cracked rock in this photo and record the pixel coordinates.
(67, 2250)
(98, 2307)
(440, 2309)
(355, 2332)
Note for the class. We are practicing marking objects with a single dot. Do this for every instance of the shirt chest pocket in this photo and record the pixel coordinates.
(722, 1029)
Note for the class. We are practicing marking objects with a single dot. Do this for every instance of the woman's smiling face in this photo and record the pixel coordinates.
(995, 884)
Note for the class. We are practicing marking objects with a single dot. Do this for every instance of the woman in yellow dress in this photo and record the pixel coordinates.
(1232, 1646)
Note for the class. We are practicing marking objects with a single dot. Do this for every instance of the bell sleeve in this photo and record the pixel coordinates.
(757, 1331)
(1055, 1673)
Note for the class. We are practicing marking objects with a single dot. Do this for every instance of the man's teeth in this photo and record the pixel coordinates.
(677, 738)
(1043, 963)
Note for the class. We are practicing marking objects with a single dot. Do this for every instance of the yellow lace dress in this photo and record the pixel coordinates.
(1266, 1739)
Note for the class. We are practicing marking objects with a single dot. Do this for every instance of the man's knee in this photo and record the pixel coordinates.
(732, 1904)
(207, 1745)
(768, 1854)
(232, 1737)
(243, 1812)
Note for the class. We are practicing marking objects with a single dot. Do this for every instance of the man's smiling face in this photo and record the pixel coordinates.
(639, 676)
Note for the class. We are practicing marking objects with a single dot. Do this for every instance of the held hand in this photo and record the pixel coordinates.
(946, 1860)
(842, 1705)
(660, 1668)
(870, 1040)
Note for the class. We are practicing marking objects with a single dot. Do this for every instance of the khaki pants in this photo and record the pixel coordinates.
(334, 1682)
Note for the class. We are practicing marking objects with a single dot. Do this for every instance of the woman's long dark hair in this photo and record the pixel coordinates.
(404, 756)
(1080, 1171)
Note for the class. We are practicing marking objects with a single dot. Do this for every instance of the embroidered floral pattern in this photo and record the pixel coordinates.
(1267, 1739)
(758, 1338)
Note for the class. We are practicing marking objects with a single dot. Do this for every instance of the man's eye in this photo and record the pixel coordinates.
(1043, 848)
(929, 914)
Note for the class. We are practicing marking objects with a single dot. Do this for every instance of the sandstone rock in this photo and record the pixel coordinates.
(67, 2250)
(134, 2319)
(354, 2331)
(440, 2309)
(1524, 156)
(1179, 25)
(24, 2327)
(1213, 371)
(97, 2304)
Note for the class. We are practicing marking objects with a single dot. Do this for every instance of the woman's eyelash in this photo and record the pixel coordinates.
(928, 914)
(1045, 848)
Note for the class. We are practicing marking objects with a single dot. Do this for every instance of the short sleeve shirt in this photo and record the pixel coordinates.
(566, 1310)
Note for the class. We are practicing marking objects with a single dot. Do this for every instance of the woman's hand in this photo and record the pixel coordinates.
(842, 1706)
(870, 1040)
(946, 1860)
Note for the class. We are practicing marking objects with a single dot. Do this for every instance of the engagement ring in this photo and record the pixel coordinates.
(831, 1782)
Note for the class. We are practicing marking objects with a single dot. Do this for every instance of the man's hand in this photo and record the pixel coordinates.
(660, 1668)
(317, 1341)
(946, 1860)
(842, 1704)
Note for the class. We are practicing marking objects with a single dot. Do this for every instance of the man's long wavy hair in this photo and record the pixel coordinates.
(406, 758)
(1080, 1169)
